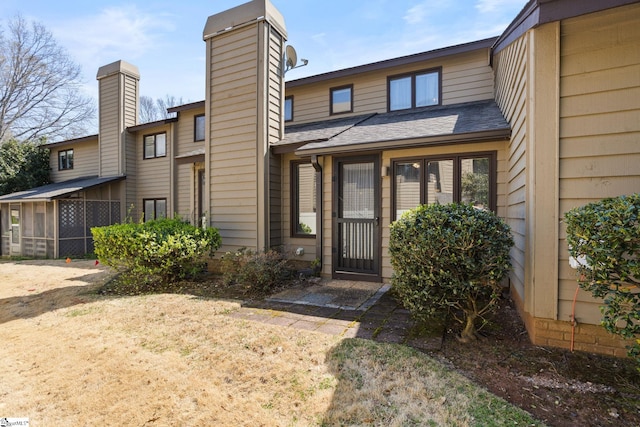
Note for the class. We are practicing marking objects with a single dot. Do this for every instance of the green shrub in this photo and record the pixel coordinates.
(450, 257)
(605, 237)
(261, 271)
(162, 251)
(304, 228)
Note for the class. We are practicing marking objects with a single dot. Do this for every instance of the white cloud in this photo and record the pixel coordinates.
(416, 14)
(115, 33)
(490, 6)
(320, 38)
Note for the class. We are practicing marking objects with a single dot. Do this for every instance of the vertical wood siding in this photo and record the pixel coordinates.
(510, 66)
(599, 123)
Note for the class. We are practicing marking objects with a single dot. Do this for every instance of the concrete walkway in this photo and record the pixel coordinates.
(347, 308)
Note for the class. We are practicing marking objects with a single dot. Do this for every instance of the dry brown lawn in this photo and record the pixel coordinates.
(72, 357)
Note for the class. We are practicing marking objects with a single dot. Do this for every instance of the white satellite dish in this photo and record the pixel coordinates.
(290, 60)
(291, 57)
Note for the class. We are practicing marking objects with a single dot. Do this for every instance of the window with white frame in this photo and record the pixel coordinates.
(155, 145)
(419, 89)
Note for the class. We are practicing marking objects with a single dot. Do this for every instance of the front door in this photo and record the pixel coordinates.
(14, 248)
(356, 213)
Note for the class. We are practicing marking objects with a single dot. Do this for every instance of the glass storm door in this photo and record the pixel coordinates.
(14, 248)
(356, 227)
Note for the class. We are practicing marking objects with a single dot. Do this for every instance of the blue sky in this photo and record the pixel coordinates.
(164, 38)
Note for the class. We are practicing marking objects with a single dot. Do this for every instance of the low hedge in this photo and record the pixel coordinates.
(161, 251)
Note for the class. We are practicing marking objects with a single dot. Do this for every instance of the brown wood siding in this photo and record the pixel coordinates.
(130, 207)
(153, 175)
(186, 132)
(275, 86)
(186, 184)
(109, 116)
(233, 122)
(511, 95)
(275, 201)
(465, 78)
(130, 107)
(599, 122)
(275, 98)
(186, 175)
(85, 161)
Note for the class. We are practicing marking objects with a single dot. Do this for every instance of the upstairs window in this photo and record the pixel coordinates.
(288, 109)
(341, 99)
(155, 209)
(198, 128)
(155, 145)
(65, 159)
(420, 89)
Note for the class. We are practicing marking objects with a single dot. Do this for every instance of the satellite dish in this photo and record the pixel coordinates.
(290, 60)
(291, 57)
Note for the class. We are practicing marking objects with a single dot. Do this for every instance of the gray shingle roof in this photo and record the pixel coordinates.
(319, 131)
(473, 118)
(59, 189)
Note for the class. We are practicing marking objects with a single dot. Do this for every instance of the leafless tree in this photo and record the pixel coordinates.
(151, 111)
(148, 110)
(40, 92)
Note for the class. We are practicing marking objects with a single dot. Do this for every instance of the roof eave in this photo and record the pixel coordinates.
(448, 139)
(291, 147)
(539, 12)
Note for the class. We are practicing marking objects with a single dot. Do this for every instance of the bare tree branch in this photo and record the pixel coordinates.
(39, 86)
(151, 111)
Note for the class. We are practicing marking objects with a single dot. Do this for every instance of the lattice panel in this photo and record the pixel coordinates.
(97, 215)
(90, 245)
(71, 219)
(115, 212)
(71, 247)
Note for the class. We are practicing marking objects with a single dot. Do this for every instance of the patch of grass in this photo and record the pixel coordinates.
(83, 311)
(390, 384)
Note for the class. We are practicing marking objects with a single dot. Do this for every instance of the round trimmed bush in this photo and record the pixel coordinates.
(450, 257)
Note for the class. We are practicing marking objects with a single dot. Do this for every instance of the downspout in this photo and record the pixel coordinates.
(319, 208)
